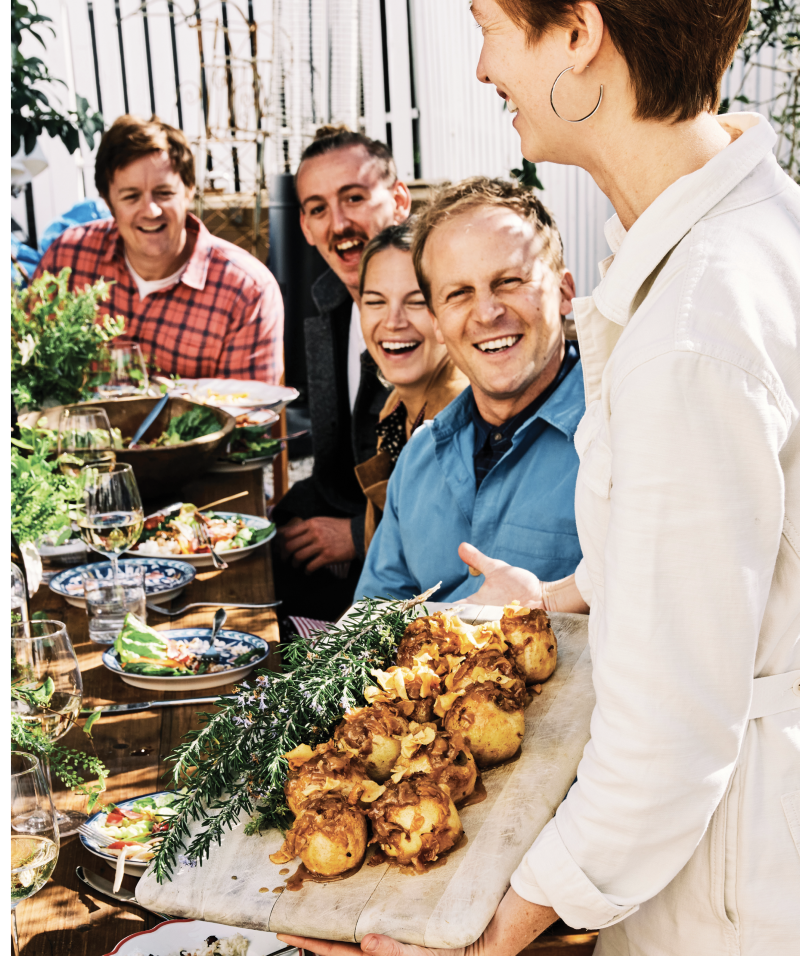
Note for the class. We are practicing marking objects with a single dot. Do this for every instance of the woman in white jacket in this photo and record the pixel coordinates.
(681, 836)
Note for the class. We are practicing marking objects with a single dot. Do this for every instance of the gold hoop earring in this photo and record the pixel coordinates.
(583, 118)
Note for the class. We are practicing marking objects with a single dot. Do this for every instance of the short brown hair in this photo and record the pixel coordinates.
(398, 236)
(131, 137)
(451, 201)
(677, 51)
(332, 137)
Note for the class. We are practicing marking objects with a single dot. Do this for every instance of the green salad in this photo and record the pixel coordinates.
(143, 650)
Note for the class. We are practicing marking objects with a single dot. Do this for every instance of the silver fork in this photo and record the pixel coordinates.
(160, 609)
(219, 564)
(99, 838)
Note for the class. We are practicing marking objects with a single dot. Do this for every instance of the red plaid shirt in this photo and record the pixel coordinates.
(222, 319)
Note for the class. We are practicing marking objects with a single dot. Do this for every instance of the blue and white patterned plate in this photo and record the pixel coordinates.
(164, 579)
(95, 844)
(226, 643)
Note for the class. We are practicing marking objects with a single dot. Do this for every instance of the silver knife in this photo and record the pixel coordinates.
(145, 705)
(96, 882)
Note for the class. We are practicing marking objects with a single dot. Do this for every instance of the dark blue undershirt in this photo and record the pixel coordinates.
(493, 441)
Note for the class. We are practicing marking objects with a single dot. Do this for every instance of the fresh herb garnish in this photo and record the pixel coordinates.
(56, 338)
(43, 501)
(236, 764)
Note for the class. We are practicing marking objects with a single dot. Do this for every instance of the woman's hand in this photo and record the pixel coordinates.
(503, 583)
(515, 923)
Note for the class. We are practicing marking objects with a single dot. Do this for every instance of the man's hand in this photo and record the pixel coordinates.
(515, 924)
(503, 583)
(318, 541)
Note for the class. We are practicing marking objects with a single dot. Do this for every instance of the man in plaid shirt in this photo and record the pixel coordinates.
(199, 306)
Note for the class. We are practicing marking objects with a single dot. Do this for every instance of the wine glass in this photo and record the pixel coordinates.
(111, 514)
(46, 694)
(124, 369)
(84, 437)
(33, 856)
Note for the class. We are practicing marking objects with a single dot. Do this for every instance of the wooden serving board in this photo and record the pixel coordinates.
(449, 906)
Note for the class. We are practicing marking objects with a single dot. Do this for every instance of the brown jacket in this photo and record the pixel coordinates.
(373, 475)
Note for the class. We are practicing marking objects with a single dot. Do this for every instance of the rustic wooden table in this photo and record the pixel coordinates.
(66, 917)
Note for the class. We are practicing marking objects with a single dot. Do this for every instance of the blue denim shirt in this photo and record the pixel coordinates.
(523, 512)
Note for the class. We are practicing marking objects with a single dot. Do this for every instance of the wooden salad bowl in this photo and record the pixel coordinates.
(156, 469)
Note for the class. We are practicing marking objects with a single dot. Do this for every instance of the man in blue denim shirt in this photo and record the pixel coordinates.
(497, 467)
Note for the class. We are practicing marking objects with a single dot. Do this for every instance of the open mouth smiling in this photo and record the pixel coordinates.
(493, 346)
(153, 229)
(399, 348)
(346, 248)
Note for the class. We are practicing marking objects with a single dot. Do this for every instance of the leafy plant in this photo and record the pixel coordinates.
(236, 764)
(775, 25)
(527, 175)
(31, 111)
(43, 501)
(55, 339)
(66, 764)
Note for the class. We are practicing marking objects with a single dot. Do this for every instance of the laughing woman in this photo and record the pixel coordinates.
(681, 835)
(399, 335)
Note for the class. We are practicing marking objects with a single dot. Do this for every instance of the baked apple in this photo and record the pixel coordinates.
(329, 836)
(531, 640)
(372, 735)
(415, 821)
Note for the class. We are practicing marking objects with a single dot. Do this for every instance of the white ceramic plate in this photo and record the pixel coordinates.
(164, 578)
(225, 638)
(204, 560)
(93, 845)
(243, 393)
(176, 935)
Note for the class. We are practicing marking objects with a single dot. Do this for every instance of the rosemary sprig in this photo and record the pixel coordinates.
(235, 762)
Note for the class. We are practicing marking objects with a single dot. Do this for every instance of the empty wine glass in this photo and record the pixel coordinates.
(46, 693)
(33, 855)
(124, 370)
(84, 437)
(111, 514)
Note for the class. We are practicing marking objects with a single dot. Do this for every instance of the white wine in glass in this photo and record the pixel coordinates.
(33, 855)
(46, 693)
(111, 514)
(84, 437)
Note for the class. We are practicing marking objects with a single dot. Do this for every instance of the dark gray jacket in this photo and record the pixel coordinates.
(340, 440)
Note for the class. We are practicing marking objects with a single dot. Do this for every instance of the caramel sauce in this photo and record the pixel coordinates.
(303, 875)
(478, 795)
(284, 871)
(415, 869)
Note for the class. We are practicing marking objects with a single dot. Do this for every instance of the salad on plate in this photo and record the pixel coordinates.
(171, 535)
(137, 829)
(143, 650)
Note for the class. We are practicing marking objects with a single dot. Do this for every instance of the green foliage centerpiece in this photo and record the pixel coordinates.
(56, 337)
(235, 764)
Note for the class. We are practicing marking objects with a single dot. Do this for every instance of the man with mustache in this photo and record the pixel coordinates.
(348, 190)
(497, 468)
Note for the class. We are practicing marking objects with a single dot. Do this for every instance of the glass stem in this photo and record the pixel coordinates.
(14, 932)
(114, 567)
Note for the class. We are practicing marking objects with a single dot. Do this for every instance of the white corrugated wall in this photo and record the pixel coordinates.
(319, 61)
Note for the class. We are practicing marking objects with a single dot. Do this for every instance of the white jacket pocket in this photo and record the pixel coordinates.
(791, 807)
